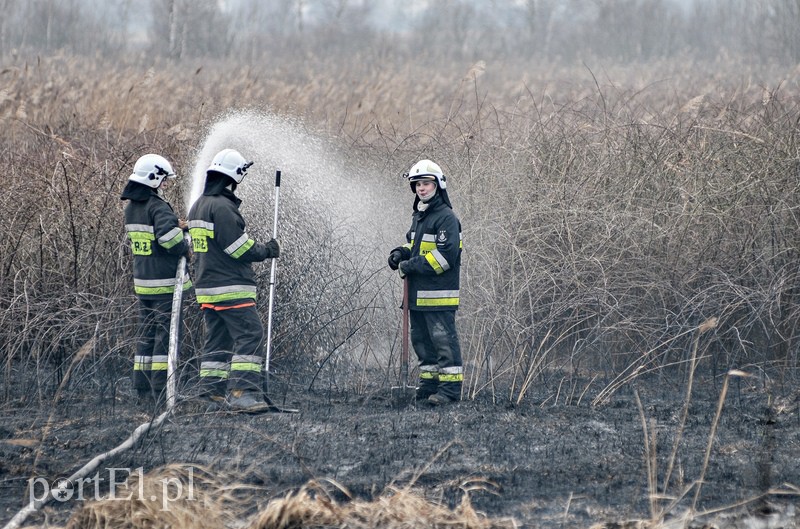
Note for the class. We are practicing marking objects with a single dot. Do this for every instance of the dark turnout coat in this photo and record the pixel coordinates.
(223, 252)
(156, 241)
(433, 250)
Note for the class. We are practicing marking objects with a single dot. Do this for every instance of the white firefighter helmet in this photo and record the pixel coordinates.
(426, 170)
(230, 163)
(150, 170)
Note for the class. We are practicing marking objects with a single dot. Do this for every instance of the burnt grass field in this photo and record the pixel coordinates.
(541, 463)
(630, 280)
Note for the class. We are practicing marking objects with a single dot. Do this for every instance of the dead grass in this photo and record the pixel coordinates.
(314, 507)
(188, 497)
(173, 496)
(607, 212)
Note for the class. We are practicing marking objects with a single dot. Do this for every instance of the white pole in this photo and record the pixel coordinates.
(174, 330)
(36, 504)
(272, 285)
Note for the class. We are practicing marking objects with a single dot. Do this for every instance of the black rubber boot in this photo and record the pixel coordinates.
(426, 388)
(246, 401)
(440, 399)
(446, 393)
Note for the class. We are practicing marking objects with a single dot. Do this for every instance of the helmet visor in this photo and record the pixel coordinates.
(419, 178)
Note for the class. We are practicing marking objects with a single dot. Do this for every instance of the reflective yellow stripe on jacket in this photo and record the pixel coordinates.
(240, 246)
(437, 298)
(226, 293)
(145, 287)
(171, 238)
(142, 237)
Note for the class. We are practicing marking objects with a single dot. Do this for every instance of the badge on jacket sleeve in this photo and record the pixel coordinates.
(442, 237)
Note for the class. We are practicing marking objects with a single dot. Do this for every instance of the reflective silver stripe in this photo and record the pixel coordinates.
(171, 234)
(160, 358)
(428, 237)
(432, 294)
(224, 290)
(429, 369)
(142, 363)
(201, 224)
(255, 359)
(238, 243)
(154, 282)
(441, 260)
(452, 370)
(213, 365)
(139, 227)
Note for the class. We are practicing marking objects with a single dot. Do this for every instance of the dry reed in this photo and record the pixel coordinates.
(605, 215)
(173, 496)
(312, 506)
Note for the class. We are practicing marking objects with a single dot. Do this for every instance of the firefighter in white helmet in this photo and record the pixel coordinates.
(157, 243)
(431, 261)
(231, 369)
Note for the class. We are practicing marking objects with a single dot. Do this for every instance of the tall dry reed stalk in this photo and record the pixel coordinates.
(603, 215)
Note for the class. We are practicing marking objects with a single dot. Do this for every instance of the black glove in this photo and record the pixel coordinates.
(394, 259)
(273, 249)
(400, 270)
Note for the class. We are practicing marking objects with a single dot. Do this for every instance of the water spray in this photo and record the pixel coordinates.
(333, 191)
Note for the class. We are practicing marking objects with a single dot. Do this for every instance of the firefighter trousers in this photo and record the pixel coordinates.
(152, 345)
(435, 341)
(232, 354)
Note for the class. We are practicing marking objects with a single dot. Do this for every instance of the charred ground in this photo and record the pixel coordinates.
(544, 465)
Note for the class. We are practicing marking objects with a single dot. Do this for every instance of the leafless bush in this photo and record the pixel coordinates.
(603, 216)
(599, 230)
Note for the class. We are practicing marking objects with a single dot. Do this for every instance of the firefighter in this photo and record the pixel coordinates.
(157, 243)
(231, 369)
(431, 261)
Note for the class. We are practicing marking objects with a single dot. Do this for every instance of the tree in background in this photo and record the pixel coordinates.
(189, 28)
(627, 30)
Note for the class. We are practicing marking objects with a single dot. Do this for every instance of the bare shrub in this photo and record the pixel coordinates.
(604, 216)
(610, 225)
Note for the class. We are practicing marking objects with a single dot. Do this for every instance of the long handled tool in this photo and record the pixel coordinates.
(404, 394)
(404, 347)
(272, 406)
(174, 329)
(271, 286)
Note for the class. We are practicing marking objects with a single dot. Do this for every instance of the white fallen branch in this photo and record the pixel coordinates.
(37, 504)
